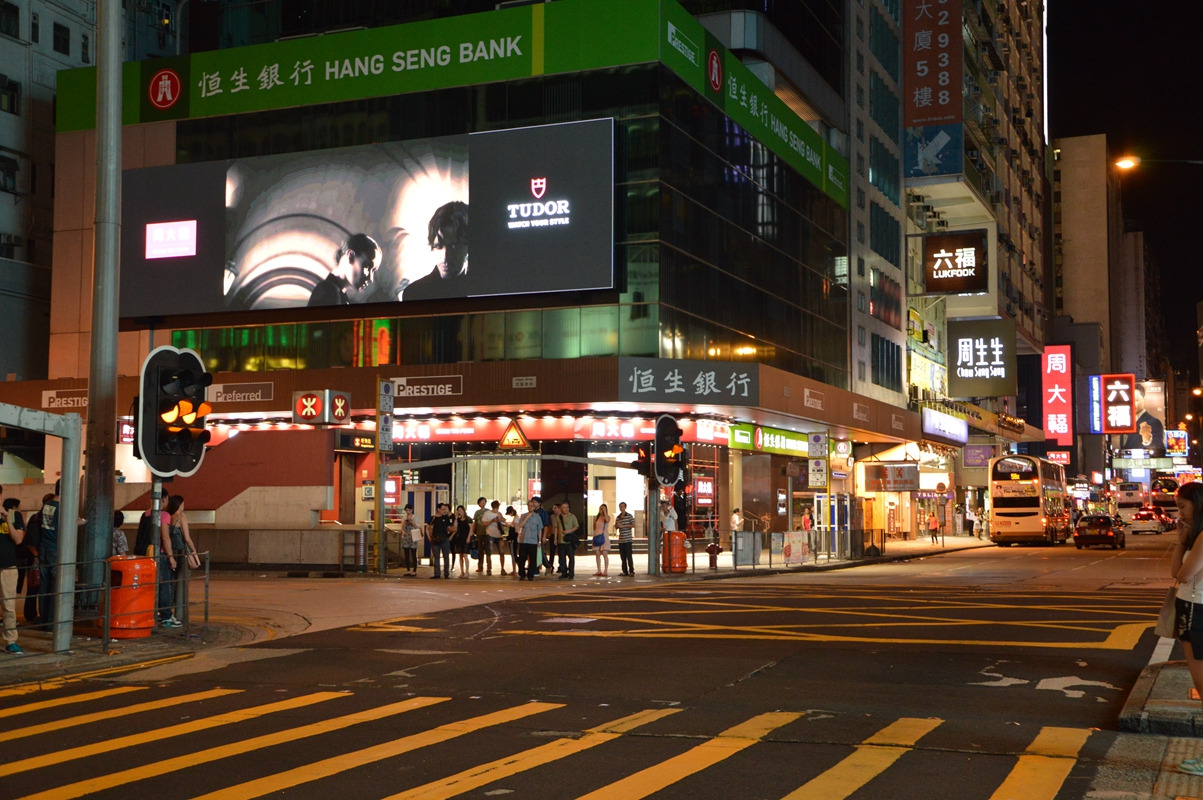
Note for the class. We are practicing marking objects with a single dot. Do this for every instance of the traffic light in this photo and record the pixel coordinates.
(670, 454)
(171, 433)
(643, 459)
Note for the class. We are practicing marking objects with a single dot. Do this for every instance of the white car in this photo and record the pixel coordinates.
(1146, 520)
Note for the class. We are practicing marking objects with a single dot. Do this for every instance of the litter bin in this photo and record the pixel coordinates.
(674, 551)
(131, 597)
(747, 548)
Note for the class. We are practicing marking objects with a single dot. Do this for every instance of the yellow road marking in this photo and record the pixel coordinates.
(112, 713)
(1122, 637)
(720, 748)
(42, 705)
(871, 758)
(337, 764)
(1044, 766)
(169, 765)
(58, 683)
(83, 751)
(484, 774)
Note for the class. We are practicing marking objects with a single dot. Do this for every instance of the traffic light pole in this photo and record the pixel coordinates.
(652, 515)
(102, 371)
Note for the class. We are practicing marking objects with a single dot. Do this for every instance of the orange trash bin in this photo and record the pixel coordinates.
(674, 551)
(132, 597)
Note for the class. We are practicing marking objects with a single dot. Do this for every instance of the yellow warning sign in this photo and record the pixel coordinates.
(513, 437)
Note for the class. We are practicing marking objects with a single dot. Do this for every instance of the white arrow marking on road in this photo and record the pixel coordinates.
(1000, 681)
(1062, 684)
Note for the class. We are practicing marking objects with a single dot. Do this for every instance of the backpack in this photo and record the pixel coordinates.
(145, 542)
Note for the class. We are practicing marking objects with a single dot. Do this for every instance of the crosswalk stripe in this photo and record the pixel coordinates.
(369, 755)
(108, 746)
(711, 752)
(169, 765)
(113, 713)
(42, 705)
(871, 758)
(1044, 766)
(476, 777)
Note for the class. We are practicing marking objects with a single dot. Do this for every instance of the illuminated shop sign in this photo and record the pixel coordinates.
(1057, 371)
(891, 476)
(944, 427)
(982, 355)
(374, 225)
(1177, 444)
(1148, 409)
(1117, 404)
(1059, 457)
(769, 440)
(956, 263)
(653, 380)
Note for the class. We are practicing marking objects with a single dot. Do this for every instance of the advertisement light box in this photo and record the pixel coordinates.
(514, 211)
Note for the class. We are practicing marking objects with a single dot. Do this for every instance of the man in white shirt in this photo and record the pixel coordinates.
(668, 516)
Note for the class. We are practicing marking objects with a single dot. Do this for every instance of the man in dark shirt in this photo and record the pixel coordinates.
(448, 231)
(439, 535)
(351, 279)
(10, 537)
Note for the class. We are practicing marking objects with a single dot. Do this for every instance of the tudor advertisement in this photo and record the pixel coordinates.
(956, 263)
(386, 223)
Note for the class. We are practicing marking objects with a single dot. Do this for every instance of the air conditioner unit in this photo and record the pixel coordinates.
(941, 223)
(1000, 141)
(927, 209)
(916, 200)
(973, 154)
(993, 76)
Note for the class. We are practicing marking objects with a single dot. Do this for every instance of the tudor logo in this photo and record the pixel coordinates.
(537, 187)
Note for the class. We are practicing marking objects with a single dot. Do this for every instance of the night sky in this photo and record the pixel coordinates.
(1134, 71)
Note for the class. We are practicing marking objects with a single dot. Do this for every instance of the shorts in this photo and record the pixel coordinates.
(1188, 625)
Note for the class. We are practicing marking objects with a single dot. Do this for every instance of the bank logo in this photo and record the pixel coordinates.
(164, 89)
(537, 187)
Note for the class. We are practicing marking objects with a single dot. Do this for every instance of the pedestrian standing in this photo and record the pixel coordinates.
(48, 557)
(411, 534)
(438, 534)
(10, 537)
(601, 541)
(933, 527)
(1186, 568)
(120, 545)
(530, 533)
(461, 540)
(624, 523)
(571, 528)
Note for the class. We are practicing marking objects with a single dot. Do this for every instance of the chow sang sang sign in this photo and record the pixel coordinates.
(956, 263)
(981, 356)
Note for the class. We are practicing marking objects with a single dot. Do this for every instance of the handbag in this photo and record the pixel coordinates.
(1165, 618)
(193, 560)
(597, 540)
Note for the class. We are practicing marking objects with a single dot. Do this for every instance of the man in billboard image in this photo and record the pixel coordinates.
(351, 279)
(1150, 431)
(447, 231)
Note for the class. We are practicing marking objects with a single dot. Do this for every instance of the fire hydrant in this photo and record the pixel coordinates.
(713, 549)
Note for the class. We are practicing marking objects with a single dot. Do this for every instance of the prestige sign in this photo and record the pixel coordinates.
(982, 355)
(956, 263)
(429, 386)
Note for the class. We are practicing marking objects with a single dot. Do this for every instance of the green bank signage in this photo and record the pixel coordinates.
(510, 44)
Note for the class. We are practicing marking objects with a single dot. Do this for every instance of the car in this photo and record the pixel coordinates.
(1168, 521)
(1147, 520)
(1101, 529)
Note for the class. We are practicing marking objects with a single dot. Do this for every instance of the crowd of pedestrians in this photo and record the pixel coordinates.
(541, 540)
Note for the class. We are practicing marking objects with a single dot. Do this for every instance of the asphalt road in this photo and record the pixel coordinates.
(990, 673)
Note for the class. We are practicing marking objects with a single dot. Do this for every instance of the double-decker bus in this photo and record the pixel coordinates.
(1029, 501)
(1162, 493)
(1129, 497)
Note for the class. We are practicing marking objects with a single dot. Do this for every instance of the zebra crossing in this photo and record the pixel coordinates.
(118, 741)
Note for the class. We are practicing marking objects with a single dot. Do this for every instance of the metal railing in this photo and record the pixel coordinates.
(91, 618)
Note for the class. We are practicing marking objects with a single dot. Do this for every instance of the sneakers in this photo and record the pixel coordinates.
(14, 649)
(171, 622)
(1192, 766)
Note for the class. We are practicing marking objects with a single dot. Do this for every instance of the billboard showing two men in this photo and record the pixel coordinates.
(397, 221)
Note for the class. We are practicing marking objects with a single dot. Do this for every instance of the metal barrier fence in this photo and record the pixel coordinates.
(115, 608)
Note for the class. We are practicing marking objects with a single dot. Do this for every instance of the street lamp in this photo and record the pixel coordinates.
(1131, 162)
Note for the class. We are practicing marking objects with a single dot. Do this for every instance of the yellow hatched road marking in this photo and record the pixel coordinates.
(871, 758)
(1044, 766)
(169, 765)
(484, 774)
(720, 748)
(112, 713)
(42, 705)
(84, 751)
(359, 758)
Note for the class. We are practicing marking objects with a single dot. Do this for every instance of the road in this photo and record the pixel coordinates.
(990, 673)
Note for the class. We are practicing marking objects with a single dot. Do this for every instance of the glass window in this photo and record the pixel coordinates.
(10, 20)
(62, 39)
(562, 333)
(10, 96)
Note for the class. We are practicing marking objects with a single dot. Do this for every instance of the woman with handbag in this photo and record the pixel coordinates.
(601, 541)
(1187, 570)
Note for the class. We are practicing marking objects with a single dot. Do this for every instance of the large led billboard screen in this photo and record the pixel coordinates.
(502, 212)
